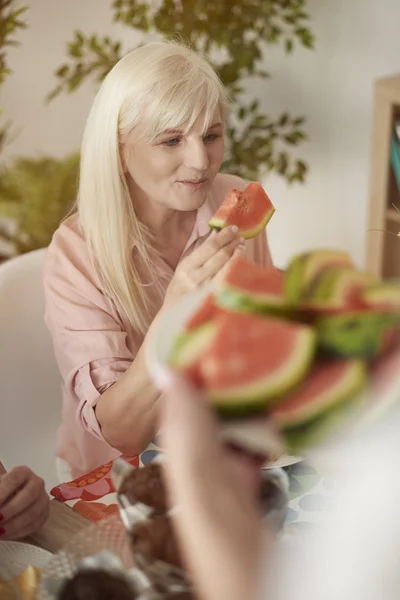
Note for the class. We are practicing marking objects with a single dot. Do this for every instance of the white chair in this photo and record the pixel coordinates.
(30, 387)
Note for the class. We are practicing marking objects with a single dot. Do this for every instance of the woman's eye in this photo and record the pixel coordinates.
(172, 142)
(210, 137)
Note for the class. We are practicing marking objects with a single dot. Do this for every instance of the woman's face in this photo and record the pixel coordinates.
(178, 169)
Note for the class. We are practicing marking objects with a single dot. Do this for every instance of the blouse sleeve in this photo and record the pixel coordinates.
(87, 332)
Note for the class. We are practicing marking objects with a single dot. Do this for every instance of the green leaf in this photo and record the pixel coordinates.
(62, 71)
(283, 120)
(75, 50)
(254, 106)
(289, 45)
(36, 194)
(236, 35)
(290, 139)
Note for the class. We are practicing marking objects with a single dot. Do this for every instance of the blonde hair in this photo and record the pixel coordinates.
(164, 86)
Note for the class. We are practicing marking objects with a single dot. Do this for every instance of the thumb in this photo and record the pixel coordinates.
(240, 250)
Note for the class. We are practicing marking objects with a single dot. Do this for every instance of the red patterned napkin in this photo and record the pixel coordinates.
(83, 494)
(93, 495)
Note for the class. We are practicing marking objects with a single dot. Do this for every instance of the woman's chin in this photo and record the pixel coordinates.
(192, 199)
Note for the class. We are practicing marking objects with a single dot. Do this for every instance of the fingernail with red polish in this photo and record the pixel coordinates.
(2, 531)
(1, 518)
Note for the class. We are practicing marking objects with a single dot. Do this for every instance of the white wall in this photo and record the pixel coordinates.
(358, 41)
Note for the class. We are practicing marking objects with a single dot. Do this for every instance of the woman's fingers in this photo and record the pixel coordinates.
(25, 496)
(32, 519)
(218, 261)
(213, 244)
(204, 263)
(24, 504)
(11, 482)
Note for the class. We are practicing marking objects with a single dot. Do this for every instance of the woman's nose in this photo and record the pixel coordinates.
(196, 156)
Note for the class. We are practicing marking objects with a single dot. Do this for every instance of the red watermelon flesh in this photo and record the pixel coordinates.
(252, 360)
(329, 384)
(250, 210)
(258, 283)
(207, 311)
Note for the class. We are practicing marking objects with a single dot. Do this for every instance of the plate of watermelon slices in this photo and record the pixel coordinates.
(285, 358)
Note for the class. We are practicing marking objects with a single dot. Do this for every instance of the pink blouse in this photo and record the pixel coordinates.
(93, 344)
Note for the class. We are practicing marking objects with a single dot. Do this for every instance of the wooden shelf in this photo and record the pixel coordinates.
(383, 250)
(390, 84)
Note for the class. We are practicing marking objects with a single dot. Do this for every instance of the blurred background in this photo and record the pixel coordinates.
(301, 74)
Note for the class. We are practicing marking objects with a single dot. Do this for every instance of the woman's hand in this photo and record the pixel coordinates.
(219, 524)
(24, 503)
(204, 263)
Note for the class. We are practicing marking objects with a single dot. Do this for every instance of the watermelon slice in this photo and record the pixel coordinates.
(327, 385)
(337, 288)
(344, 416)
(382, 296)
(190, 348)
(251, 210)
(356, 334)
(248, 287)
(253, 360)
(304, 268)
(207, 311)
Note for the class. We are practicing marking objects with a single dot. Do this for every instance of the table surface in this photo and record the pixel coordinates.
(309, 499)
(63, 524)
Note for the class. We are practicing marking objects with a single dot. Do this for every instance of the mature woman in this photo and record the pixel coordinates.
(139, 240)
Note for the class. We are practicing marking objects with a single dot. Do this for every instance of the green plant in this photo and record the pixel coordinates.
(35, 195)
(10, 24)
(239, 30)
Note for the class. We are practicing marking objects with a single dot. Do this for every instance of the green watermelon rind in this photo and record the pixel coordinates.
(293, 279)
(189, 347)
(232, 299)
(218, 224)
(323, 291)
(351, 382)
(245, 399)
(366, 343)
(298, 281)
(300, 439)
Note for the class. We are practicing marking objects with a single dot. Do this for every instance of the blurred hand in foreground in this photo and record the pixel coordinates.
(219, 524)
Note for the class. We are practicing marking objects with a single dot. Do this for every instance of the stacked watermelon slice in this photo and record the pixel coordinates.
(296, 347)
